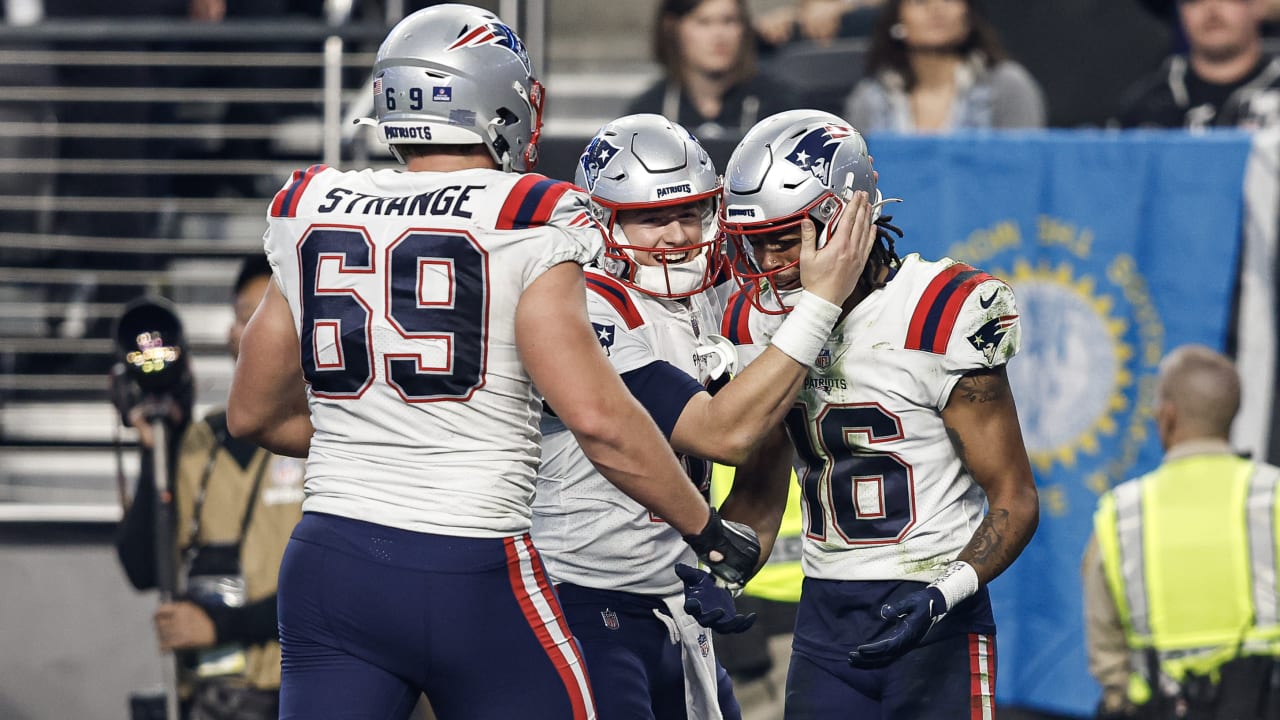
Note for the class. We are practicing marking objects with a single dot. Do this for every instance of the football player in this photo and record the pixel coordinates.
(421, 307)
(654, 306)
(915, 482)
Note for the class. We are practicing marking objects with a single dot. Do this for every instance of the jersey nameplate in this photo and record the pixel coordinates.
(449, 200)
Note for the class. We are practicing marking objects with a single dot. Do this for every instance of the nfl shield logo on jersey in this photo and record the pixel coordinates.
(824, 359)
(610, 618)
(704, 644)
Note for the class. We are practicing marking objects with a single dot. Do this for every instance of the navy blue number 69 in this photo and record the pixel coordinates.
(436, 289)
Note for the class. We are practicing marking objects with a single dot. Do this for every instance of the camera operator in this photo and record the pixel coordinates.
(235, 506)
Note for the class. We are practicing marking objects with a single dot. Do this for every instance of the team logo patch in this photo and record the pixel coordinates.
(442, 93)
(605, 334)
(988, 337)
(594, 160)
(610, 619)
(493, 33)
(815, 151)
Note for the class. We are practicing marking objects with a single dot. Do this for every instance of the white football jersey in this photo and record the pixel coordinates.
(589, 532)
(877, 472)
(403, 287)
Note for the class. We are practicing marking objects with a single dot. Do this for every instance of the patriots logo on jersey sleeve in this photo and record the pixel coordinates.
(494, 33)
(988, 337)
(605, 334)
(814, 151)
(594, 160)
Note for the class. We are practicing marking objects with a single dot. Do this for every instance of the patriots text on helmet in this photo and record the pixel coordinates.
(733, 212)
(450, 200)
(420, 132)
(677, 189)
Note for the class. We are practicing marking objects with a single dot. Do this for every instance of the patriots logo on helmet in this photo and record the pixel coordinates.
(597, 156)
(988, 337)
(815, 151)
(494, 33)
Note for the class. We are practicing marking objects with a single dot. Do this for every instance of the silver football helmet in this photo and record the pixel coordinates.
(456, 74)
(793, 165)
(647, 161)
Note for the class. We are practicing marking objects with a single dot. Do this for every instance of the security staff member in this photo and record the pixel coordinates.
(1180, 585)
(236, 505)
(757, 659)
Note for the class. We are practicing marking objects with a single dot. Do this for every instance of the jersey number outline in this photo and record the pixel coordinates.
(870, 496)
(436, 286)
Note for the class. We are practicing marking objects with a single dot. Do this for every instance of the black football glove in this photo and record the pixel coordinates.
(711, 605)
(911, 618)
(737, 544)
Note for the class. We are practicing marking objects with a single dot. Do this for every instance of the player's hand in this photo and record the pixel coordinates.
(730, 550)
(711, 605)
(910, 618)
(183, 625)
(832, 271)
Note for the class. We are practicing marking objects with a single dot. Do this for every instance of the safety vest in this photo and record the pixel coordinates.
(1189, 552)
(781, 576)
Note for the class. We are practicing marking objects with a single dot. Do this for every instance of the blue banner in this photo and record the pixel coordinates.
(1119, 246)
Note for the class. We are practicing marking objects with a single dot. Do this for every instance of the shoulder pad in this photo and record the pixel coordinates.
(531, 202)
(935, 314)
(286, 201)
(615, 293)
(737, 318)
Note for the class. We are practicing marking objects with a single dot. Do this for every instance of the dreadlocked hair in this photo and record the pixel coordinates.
(883, 254)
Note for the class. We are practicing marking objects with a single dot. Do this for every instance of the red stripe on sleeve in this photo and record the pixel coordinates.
(916, 330)
(277, 205)
(952, 311)
(515, 198)
(548, 203)
(615, 293)
(743, 310)
(302, 188)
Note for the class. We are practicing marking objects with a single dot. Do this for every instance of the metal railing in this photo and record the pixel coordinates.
(138, 157)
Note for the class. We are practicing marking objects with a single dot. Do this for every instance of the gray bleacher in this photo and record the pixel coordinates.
(110, 189)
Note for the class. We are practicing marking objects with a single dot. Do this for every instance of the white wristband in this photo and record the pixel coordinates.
(957, 582)
(807, 328)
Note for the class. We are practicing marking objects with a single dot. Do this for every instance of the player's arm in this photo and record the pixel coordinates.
(562, 354)
(982, 422)
(268, 402)
(760, 485)
(726, 427)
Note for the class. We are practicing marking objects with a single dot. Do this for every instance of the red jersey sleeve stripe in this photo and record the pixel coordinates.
(277, 205)
(736, 325)
(286, 201)
(935, 315)
(617, 296)
(530, 202)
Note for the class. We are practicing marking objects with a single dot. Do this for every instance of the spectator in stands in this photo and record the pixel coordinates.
(712, 84)
(1223, 79)
(938, 65)
(817, 21)
(236, 505)
(1181, 622)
